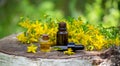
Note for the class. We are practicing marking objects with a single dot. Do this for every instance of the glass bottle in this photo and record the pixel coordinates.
(62, 35)
(45, 45)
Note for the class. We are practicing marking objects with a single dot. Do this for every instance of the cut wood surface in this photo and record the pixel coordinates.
(13, 53)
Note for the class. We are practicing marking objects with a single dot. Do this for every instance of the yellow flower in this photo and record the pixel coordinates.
(96, 31)
(36, 24)
(38, 31)
(98, 45)
(100, 38)
(21, 37)
(90, 48)
(84, 41)
(90, 27)
(45, 28)
(32, 48)
(77, 23)
(33, 39)
(69, 52)
(117, 41)
(25, 24)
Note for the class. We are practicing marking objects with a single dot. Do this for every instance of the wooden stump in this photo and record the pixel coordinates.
(13, 53)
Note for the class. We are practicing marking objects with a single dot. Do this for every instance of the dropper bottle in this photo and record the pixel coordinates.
(62, 35)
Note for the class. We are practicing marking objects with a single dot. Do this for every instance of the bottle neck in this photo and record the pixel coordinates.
(62, 29)
(45, 37)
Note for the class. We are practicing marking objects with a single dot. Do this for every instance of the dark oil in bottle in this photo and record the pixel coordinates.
(62, 35)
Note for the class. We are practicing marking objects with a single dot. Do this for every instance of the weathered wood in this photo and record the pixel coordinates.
(13, 53)
(11, 60)
(10, 45)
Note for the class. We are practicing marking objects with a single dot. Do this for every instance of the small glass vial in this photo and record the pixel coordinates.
(45, 45)
(62, 35)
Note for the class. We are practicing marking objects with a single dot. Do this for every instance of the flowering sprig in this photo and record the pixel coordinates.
(32, 48)
(69, 51)
(92, 37)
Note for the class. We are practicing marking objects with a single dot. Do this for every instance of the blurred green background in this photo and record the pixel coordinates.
(93, 11)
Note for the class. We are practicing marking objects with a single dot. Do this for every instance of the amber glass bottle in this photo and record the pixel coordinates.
(45, 44)
(62, 35)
